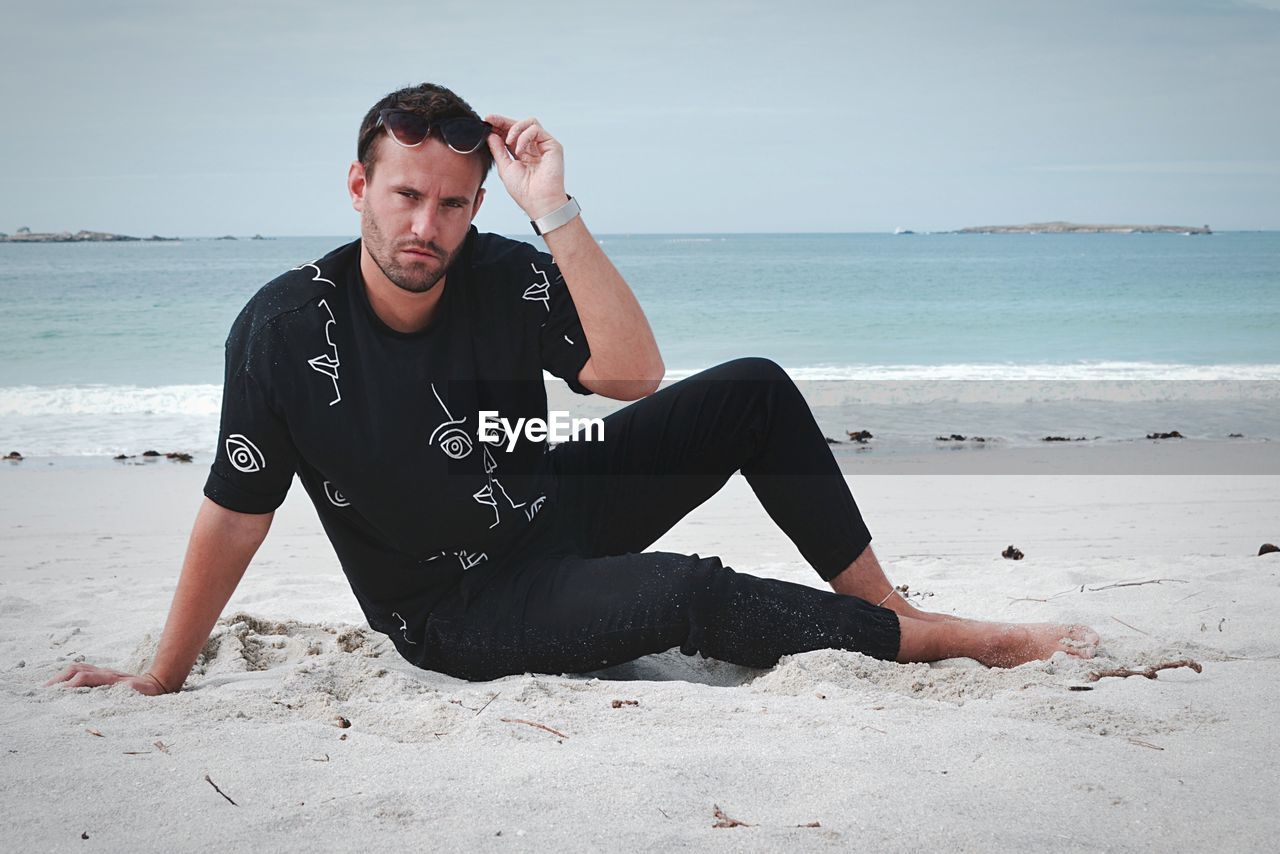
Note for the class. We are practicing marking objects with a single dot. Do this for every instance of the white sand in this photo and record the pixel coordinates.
(883, 756)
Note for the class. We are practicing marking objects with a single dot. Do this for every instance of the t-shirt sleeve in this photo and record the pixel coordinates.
(561, 341)
(256, 458)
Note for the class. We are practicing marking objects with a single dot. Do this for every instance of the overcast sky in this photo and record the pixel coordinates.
(240, 117)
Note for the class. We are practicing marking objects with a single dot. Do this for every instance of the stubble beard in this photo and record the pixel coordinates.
(415, 279)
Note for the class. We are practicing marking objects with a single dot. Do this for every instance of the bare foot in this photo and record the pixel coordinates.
(903, 608)
(1011, 644)
(992, 644)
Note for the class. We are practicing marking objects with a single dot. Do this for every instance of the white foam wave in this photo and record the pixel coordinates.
(186, 400)
(914, 406)
(1043, 372)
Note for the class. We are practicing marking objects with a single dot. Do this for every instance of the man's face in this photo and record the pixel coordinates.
(416, 209)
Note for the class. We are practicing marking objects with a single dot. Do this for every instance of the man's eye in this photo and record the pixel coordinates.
(409, 194)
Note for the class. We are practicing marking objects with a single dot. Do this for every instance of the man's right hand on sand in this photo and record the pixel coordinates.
(81, 675)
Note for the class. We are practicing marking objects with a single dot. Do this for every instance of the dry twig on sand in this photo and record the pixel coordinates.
(1135, 628)
(219, 791)
(1138, 583)
(486, 705)
(1150, 672)
(1038, 599)
(723, 820)
(1142, 743)
(535, 725)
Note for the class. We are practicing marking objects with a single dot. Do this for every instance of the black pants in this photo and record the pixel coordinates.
(583, 594)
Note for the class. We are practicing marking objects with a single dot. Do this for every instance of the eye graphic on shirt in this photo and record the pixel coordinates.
(539, 291)
(244, 455)
(335, 496)
(454, 442)
(452, 439)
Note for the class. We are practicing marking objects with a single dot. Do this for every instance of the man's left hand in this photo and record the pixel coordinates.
(530, 163)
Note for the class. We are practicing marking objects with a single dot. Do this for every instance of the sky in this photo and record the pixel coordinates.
(205, 119)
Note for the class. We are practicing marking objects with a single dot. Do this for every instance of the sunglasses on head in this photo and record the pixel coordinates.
(461, 133)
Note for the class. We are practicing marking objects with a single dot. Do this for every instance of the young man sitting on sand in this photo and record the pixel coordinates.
(367, 372)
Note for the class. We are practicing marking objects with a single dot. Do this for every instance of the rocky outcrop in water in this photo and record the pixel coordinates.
(1078, 228)
(26, 235)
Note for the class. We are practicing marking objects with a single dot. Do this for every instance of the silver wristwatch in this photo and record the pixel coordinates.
(556, 218)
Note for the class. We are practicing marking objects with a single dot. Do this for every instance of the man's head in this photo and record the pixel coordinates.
(416, 202)
(428, 101)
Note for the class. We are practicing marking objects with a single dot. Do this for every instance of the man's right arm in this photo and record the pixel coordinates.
(222, 544)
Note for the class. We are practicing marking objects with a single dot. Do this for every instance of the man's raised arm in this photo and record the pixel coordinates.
(625, 363)
(222, 544)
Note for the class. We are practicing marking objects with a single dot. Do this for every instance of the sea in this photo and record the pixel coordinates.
(117, 348)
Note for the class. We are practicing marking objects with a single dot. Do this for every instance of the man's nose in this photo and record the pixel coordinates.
(424, 222)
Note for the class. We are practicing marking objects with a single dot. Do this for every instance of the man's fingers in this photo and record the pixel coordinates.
(518, 128)
(500, 123)
(70, 672)
(80, 674)
(526, 143)
(501, 157)
(64, 675)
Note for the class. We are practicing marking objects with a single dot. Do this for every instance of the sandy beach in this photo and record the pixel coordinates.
(828, 750)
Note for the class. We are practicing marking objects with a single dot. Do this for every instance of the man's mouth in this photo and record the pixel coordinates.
(420, 252)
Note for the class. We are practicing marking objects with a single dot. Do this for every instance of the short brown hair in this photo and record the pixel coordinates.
(428, 100)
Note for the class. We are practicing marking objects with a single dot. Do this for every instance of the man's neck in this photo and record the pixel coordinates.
(397, 308)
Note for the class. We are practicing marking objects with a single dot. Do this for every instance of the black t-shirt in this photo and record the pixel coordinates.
(381, 426)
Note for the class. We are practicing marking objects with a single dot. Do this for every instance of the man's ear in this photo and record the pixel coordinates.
(475, 209)
(356, 184)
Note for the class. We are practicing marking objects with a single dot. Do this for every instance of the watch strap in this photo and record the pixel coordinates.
(557, 218)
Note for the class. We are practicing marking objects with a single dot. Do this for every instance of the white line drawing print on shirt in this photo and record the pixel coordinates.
(455, 443)
(244, 455)
(539, 291)
(328, 363)
(318, 277)
(567, 338)
(468, 560)
(335, 496)
(534, 507)
(404, 628)
(498, 484)
(486, 495)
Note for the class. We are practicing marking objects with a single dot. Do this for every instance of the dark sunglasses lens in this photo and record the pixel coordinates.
(464, 135)
(407, 128)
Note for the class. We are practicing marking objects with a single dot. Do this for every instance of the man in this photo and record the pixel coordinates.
(365, 373)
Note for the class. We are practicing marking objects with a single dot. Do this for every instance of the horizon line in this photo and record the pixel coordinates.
(913, 233)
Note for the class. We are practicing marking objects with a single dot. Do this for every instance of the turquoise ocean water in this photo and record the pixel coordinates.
(107, 348)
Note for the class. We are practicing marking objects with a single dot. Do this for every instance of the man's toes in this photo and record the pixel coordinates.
(1080, 641)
